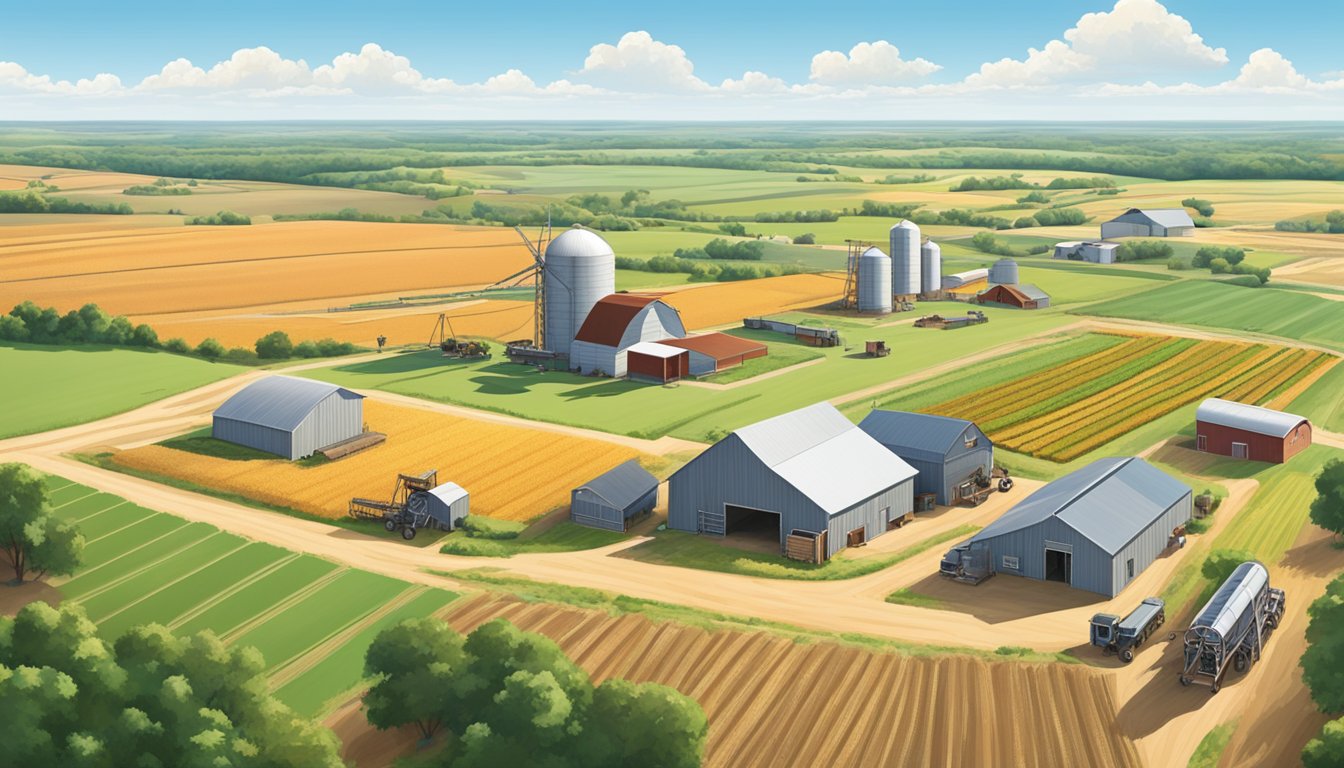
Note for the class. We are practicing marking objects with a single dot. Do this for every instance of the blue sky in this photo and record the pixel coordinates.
(469, 43)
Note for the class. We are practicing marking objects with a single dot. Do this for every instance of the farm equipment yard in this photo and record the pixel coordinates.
(714, 446)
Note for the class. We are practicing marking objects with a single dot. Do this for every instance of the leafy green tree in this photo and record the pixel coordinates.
(1326, 750)
(415, 665)
(1222, 562)
(34, 541)
(1219, 266)
(646, 725)
(143, 336)
(1323, 661)
(1327, 509)
(12, 329)
(807, 238)
(275, 346)
(210, 349)
(734, 228)
(178, 346)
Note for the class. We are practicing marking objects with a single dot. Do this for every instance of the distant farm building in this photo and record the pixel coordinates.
(1149, 222)
(289, 417)
(657, 362)
(946, 452)
(616, 323)
(1249, 432)
(1095, 529)
(959, 280)
(613, 498)
(1022, 296)
(714, 352)
(810, 471)
(1091, 251)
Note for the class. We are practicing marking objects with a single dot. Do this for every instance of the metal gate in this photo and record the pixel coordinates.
(715, 523)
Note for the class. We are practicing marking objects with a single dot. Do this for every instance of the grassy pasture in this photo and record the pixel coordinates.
(311, 619)
(1288, 314)
(51, 387)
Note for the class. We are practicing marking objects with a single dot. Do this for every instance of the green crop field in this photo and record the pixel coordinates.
(1289, 314)
(691, 412)
(51, 387)
(311, 619)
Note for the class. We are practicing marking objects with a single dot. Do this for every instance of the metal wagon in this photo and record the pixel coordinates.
(1231, 629)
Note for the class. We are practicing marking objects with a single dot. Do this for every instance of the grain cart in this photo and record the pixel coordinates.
(1231, 629)
(1121, 636)
(418, 501)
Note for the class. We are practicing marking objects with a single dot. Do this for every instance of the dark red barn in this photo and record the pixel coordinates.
(1249, 432)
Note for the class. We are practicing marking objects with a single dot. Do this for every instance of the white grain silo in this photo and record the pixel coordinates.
(931, 267)
(905, 259)
(874, 281)
(1004, 272)
(580, 270)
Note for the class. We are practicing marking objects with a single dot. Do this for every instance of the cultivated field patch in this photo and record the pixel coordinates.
(512, 473)
(1064, 411)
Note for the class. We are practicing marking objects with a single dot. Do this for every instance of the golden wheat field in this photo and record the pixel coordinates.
(724, 303)
(771, 701)
(512, 473)
(184, 269)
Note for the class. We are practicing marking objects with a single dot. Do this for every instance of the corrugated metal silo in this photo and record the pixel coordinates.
(931, 267)
(874, 281)
(1004, 272)
(580, 270)
(905, 259)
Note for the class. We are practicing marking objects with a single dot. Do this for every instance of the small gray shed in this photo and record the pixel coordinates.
(809, 470)
(1095, 529)
(945, 451)
(289, 417)
(612, 498)
(447, 504)
(1149, 222)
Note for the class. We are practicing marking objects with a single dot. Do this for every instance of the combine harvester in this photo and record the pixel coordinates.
(1231, 629)
(418, 501)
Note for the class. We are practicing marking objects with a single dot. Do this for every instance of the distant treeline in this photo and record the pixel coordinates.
(1015, 181)
(295, 152)
(701, 271)
(31, 201)
(1332, 224)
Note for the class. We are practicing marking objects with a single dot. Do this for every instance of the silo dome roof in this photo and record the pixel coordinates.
(905, 224)
(579, 244)
(875, 251)
(1005, 261)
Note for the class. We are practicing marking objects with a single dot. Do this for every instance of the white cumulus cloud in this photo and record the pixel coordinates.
(877, 63)
(637, 62)
(14, 77)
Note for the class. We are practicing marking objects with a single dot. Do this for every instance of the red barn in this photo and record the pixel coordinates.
(1249, 432)
(657, 362)
(714, 352)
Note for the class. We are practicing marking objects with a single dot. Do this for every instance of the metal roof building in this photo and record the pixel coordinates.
(714, 352)
(810, 470)
(1090, 251)
(616, 323)
(1094, 529)
(1149, 222)
(946, 452)
(612, 498)
(289, 417)
(1245, 431)
(448, 504)
(1022, 296)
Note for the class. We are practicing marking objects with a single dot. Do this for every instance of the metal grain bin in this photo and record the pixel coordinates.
(905, 272)
(874, 281)
(931, 267)
(1004, 272)
(580, 270)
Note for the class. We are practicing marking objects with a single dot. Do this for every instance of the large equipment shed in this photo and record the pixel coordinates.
(946, 452)
(810, 471)
(1249, 432)
(289, 417)
(1095, 529)
(613, 498)
(714, 352)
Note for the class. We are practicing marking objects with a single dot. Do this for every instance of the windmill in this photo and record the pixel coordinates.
(537, 271)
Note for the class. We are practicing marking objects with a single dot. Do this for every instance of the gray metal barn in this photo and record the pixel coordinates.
(810, 470)
(612, 498)
(1149, 222)
(945, 451)
(289, 417)
(1095, 529)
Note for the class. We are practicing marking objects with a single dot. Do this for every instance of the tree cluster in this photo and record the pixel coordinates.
(1015, 181)
(1323, 661)
(887, 210)
(33, 201)
(35, 543)
(223, 218)
(719, 248)
(1333, 224)
(87, 325)
(150, 699)
(1204, 207)
(705, 272)
(805, 217)
(155, 189)
(1059, 217)
(1143, 250)
(507, 697)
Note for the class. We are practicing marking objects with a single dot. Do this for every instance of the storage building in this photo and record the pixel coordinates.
(659, 363)
(714, 352)
(1022, 296)
(613, 498)
(961, 279)
(946, 452)
(1093, 252)
(289, 417)
(1004, 272)
(580, 268)
(447, 504)
(810, 470)
(616, 323)
(1149, 222)
(1249, 432)
(1095, 529)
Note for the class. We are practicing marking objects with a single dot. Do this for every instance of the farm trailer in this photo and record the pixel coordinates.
(1231, 629)
(1121, 636)
(812, 337)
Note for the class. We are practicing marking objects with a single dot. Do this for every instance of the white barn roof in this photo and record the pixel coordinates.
(825, 456)
(1252, 418)
(278, 402)
(1166, 217)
